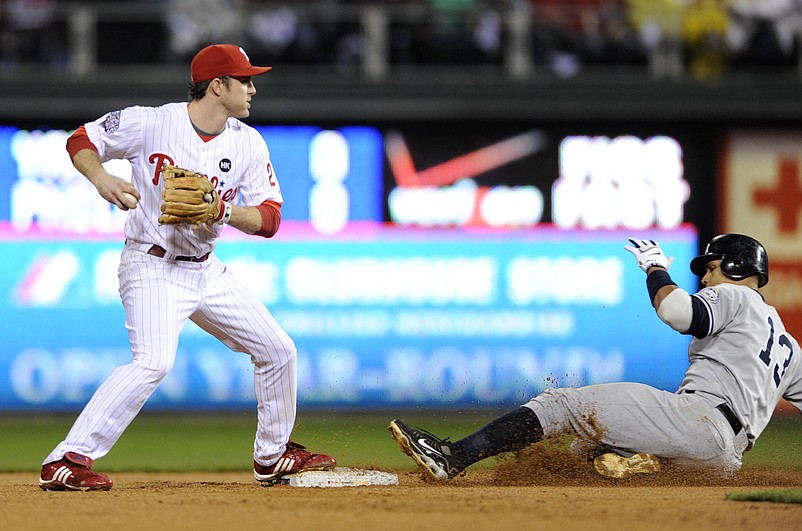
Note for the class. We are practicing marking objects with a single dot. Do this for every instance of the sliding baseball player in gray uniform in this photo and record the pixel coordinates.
(742, 362)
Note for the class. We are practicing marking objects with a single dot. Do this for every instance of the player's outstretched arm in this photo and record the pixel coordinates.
(262, 220)
(246, 219)
(673, 304)
(111, 188)
(655, 264)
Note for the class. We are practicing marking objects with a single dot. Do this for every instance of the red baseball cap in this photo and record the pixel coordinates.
(220, 60)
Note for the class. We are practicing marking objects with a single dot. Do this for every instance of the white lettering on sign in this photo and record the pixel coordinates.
(514, 373)
(465, 203)
(512, 206)
(626, 182)
(329, 165)
(414, 280)
(261, 276)
(48, 188)
(430, 206)
(71, 375)
(420, 323)
(38, 376)
(565, 280)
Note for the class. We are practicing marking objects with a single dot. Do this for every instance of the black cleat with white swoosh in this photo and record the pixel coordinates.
(433, 455)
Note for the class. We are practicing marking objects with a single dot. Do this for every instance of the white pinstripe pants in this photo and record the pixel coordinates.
(159, 296)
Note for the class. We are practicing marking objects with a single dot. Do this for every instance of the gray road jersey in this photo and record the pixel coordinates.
(748, 359)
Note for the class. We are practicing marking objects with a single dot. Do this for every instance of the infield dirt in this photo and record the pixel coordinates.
(540, 489)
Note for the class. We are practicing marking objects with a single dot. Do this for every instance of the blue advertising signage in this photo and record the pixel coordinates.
(380, 317)
(402, 280)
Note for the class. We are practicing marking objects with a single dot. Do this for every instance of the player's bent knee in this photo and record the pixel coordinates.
(287, 354)
(155, 371)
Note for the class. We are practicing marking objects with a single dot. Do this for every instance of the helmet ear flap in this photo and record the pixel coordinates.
(734, 268)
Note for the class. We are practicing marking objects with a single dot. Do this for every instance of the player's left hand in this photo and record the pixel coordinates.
(189, 197)
(648, 254)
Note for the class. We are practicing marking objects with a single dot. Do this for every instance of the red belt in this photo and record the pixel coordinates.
(160, 252)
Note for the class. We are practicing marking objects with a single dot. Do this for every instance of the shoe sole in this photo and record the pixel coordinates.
(614, 466)
(424, 463)
(59, 486)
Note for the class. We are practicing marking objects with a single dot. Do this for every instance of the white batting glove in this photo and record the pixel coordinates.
(648, 253)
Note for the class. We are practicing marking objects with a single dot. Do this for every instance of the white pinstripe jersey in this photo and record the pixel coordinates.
(237, 161)
(747, 358)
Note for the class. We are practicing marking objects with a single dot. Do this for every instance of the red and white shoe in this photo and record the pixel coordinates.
(72, 472)
(294, 459)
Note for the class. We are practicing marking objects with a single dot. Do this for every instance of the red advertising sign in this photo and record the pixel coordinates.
(761, 192)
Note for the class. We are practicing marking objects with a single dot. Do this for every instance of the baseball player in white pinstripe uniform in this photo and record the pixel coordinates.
(742, 362)
(169, 273)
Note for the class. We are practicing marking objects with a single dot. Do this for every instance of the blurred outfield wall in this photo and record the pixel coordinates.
(417, 264)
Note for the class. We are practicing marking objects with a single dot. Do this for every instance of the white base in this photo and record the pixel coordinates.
(339, 477)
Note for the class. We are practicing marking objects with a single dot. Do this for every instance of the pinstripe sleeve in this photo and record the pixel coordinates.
(116, 133)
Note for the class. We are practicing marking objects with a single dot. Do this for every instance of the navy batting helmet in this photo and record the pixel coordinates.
(741, 257)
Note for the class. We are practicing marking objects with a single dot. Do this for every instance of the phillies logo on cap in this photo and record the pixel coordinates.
(219, 60)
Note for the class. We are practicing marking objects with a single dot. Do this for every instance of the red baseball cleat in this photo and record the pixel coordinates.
(294, 459)
(72, 472)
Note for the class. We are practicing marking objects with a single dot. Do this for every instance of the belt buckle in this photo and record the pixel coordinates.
(157, 251)
(197, 259)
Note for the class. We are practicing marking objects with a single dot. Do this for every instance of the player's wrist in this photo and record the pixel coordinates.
(224, 216)
(656, 279)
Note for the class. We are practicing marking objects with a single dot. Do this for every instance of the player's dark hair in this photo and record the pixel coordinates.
(198, 90)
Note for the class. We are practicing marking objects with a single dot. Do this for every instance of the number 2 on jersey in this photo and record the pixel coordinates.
(765, 354)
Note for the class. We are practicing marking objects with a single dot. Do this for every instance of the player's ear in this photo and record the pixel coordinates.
(216, 86)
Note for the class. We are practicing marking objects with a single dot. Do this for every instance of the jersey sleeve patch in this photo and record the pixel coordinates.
(112, 122)
(710, 294)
